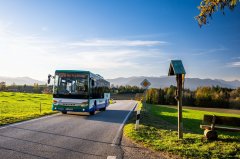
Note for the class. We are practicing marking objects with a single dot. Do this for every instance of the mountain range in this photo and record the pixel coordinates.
(162, 82)
(21, 80)
(156, 82)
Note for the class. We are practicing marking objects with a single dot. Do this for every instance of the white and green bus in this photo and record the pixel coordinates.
(79, 91)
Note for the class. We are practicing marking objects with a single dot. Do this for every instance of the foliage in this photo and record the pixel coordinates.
(126, 89)
(15, 107)
(152, 96)
(111, 101)
(2, 86)
(208, 7)
(139, 96)
(158, 131)
(202, 97)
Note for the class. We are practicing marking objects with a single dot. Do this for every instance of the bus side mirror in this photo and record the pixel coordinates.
(49, 79)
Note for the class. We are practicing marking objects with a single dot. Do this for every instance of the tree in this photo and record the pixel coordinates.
(161, 98)
(208, 7)
(36, 88)
(204, 96)
(170, 95)
(2, 86)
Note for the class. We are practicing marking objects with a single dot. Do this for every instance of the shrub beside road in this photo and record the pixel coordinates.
(112, 101)
(15, 107)
(158, 131)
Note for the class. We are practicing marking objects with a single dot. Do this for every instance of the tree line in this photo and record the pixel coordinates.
(214, 96)
(36, 88)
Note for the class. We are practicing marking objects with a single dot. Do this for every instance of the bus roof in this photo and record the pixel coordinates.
(72, 71)
(81, 71)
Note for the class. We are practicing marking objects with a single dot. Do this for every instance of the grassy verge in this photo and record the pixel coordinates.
(15, 107)
(158, 131)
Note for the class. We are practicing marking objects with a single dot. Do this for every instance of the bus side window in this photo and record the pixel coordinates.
(93, 83)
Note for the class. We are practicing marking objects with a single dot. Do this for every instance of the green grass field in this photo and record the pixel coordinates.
(191, 118)
(158, 131)
(15, 107)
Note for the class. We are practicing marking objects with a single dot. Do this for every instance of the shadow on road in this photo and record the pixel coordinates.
(60, 135)
(112, 116)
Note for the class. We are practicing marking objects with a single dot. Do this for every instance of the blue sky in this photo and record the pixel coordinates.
(116, 38)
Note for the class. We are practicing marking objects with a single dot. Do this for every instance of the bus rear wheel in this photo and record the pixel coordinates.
(104, 108)
(92, 112)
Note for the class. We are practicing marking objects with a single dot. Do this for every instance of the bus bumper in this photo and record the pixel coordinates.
(70, 108)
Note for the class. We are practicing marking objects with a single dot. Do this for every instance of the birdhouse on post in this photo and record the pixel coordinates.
(176, 68)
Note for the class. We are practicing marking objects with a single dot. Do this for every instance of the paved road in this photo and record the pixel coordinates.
(75, 135)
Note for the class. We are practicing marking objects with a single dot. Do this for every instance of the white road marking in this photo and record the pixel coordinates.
(121, 126)
(111, 157)
(28, 121)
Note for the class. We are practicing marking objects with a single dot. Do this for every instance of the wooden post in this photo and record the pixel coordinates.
(40, 107)
(180, 124)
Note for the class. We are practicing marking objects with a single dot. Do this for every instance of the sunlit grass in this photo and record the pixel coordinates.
(191, 118)
(158, 131)
(15, 107)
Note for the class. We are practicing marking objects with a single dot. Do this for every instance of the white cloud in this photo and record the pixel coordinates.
(210, 51)
(35, 56)
(234, 64)
(110, 43)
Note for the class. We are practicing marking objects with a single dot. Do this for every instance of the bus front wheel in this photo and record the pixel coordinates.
(92, 112)
(64, 112)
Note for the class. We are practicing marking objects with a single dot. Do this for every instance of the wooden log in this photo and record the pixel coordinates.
(210, 134)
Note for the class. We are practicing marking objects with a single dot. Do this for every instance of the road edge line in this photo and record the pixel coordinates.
(121, 126)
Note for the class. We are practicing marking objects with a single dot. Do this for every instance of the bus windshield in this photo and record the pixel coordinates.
(71, 85)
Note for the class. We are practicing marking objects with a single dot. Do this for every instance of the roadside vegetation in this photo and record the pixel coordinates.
(158, 131)
(216, 97)
(15, 107)
(112, 101)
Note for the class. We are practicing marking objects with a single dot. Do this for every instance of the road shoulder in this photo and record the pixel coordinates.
(136, 151)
